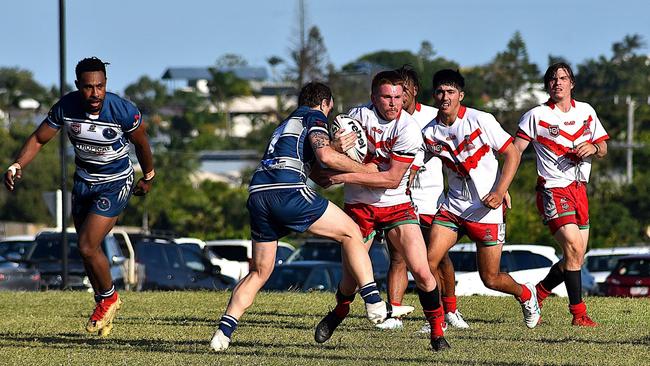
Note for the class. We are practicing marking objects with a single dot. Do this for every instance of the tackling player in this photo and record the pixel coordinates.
(280, 201)
(100, 126)
(466, 139)
(566, 135)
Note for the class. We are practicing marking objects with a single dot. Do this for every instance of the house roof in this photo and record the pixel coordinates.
(198, 73)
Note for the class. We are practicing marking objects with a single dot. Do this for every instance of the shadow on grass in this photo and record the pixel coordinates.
(643, 341)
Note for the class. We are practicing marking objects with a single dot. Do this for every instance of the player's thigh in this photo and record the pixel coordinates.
(488, 259)
(570, 238)
(407, 239)
(441, 239)
(335, 224)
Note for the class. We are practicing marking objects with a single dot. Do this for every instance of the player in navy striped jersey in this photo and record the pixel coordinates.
(100, 126)
(280, 201)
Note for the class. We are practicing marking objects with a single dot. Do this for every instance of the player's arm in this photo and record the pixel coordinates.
(390, 178)
(145, 158)
(512, 157)
(325, 154)
(32, 146)
(521, 144)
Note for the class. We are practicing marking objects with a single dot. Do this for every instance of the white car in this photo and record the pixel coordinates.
(601, 261)
(19, 244)
(525, 263)
(240, 251)
(227, 267)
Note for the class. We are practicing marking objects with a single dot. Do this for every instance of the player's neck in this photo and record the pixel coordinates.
(564, 104)
(448, 118)
(410, 109)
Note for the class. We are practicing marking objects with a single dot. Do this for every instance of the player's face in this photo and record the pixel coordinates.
(388, 100)
(447, 99)
(92, 85)
(560, 86)
(410, 93)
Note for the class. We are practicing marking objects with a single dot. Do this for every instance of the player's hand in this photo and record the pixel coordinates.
(322, 178)
(371, 167)
(585, 150)
(343, 143)
(507, 200)
(13, 174)
(142, 187)
(493, 200)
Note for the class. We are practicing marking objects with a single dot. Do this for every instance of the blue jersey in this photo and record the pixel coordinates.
(100, 142)
(289, 155)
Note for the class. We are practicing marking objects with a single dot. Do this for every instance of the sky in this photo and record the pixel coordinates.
(145, 37)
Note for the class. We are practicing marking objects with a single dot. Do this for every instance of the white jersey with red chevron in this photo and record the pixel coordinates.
(466, 149)
(400, 140)
(555, 134)
(428, 185)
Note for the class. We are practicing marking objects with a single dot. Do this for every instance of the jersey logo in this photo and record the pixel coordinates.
(103, 204)
(488, 235)
(92, 128)
(469, 146)
(376, 130)
(75, 128)
(109, 133)
(437, 148)
(569, 123)
(554, 130)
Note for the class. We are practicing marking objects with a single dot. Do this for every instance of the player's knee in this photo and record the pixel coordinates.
(490, 280)
(423, 277)
(87, 249)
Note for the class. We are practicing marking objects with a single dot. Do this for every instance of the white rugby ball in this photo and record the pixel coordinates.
(346, 124)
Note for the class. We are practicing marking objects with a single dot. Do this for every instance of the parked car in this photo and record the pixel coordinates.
(241, 252)
(45, 255)
(18, 276)
(630, 277)
(321, 249)
(164, 265)
(525, 263)
(601, 261)
(19, 244)
(305, 276)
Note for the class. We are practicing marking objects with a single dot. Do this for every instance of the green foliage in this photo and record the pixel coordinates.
(17, 84)
(149, 95)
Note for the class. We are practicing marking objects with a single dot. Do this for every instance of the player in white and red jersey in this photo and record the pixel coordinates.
(566, 135)
(379, 201)
(466, 139)
(427, 193)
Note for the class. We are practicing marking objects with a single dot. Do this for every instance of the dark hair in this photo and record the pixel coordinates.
(552, 70)
(90, 64)
(313, 93)
(449, 77)
(391, 77)
(409, 75)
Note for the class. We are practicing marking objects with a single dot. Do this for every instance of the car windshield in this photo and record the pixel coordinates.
(330, 252)
(602, 263)
(48, 247)
(231, 252)
(637, 267)
(463, 261)
(19, 247)
(287, 278)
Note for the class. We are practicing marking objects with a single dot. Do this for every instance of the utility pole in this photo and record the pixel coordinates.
(631, 105)
(64, 170)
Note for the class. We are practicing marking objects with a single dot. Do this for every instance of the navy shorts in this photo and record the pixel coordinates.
(275, 213)
(105, 199)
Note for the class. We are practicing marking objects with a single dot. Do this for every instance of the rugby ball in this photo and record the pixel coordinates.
(346, 124)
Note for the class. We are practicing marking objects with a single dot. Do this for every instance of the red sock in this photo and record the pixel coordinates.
(525, 294)
(542, 292)
(578, 309)
(435, 318)
(449, 304)
(395, 303)
(342, 309)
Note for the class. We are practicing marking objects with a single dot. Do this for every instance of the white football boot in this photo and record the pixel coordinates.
(530, 308)
(219, 341)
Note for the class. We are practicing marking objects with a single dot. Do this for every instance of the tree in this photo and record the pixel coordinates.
(149, 95)
(229, 61)
(17, 84)
(310, 59)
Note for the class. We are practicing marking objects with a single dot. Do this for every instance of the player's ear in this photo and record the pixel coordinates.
(461, 95)
(76, 83)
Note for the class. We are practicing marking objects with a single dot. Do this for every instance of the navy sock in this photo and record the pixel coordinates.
(228, 324)
(108, 293)
(573, 286)
(554, 277)
(370, 293)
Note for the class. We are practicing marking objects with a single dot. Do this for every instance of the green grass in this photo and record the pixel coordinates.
(174, 328)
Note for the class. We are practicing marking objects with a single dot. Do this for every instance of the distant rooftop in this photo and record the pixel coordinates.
(203, 73)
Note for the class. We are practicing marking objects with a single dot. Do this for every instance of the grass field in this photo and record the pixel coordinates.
(174, 328)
